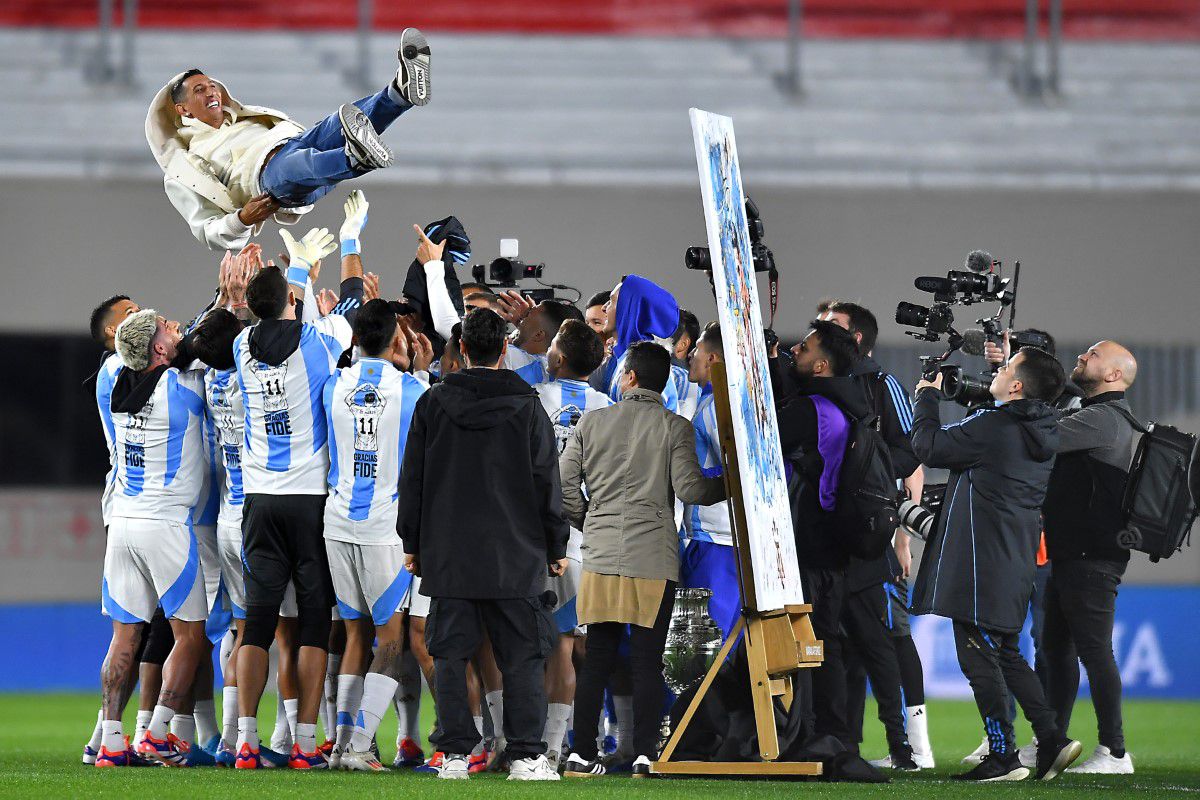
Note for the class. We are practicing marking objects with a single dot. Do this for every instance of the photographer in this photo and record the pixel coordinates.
(979, 563)
(1083, 515)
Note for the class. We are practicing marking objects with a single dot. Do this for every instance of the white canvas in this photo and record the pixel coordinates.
(756, 430)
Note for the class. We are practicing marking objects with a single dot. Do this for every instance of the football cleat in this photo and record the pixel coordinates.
(454, 767)
(478, 762)
(106, 758)
(434, 763)
(248, 758)
(303, 760)
(199, 757)
(89, 755)
(225, 757)
(171, 751)
(412, 76)
(355, 761)
(408, 754)
(326, 747)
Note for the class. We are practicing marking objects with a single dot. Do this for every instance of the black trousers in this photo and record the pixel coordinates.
(1081, 600)
(645, 666)
(870, 653)
(826, 590)
(522, 635)
(992, 663)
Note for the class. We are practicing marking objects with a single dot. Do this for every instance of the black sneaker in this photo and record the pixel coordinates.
(577, 767)
(902, 759)
(641, 767)
(364, 148)
(1054, 758)
(412, 76)
(995, 767)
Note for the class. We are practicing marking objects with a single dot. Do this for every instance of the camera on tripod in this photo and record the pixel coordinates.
(505, 271)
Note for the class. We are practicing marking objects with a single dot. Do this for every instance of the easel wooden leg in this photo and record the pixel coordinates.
(760, 692)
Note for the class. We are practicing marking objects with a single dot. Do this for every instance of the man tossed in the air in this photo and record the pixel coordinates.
(228, 167)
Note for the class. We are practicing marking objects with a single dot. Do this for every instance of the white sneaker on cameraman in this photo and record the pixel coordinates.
(536, 768)
(1103, 762)
(978, 753)
(454, 767)
(1028, 754)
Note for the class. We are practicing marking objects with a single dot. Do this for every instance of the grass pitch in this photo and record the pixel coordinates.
(42, 735)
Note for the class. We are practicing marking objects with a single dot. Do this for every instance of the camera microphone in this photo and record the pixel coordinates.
(973, 341)
(934, 285)
(978, 261)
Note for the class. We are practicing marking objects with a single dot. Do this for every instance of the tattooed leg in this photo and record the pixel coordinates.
(119, 668)
(179, 672)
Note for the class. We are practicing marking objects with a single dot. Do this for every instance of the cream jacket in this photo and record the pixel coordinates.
(208, 195)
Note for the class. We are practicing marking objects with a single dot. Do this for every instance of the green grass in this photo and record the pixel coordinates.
(41, 738)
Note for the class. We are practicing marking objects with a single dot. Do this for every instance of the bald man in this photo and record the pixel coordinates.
(1082, 513)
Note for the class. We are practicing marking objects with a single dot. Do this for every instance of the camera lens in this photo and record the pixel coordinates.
(912, 315)
(501, 271)
(697, 258)
(965, 389)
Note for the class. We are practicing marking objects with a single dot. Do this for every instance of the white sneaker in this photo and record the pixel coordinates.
(537, 768)
(1103, 762)
(882, 763)
(335, 757)
(554, 759)
(1028, 754)
(353, 761)
(454, 767)
(923, 760)
(978, 753)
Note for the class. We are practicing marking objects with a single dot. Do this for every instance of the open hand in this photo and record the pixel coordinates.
(422, 352)
(370, 287)
(427, 250)
(306, 252)
(326, 301)
(514, 306)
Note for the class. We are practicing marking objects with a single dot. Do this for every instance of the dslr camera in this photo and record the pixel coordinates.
(505, 271)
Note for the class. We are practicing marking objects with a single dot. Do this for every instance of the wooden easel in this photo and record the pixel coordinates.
(778, 642)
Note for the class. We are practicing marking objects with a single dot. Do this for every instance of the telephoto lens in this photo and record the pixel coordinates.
(964, 389)
(916, 519)
(912, 315)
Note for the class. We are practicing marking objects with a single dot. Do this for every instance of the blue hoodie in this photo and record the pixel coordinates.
(644, 311)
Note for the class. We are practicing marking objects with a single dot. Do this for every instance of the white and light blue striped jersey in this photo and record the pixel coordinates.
(566, 402)
(670, 393)
(224, 398)
(208, 507)
(160, 451)
(368, 409)
(708, 523)
(531, 368)
(688, 392)
(283, 448)
(105, 379)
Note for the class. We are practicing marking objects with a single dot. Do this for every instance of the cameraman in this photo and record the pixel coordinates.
(979, 563)
(876, 614)
(1082, 514)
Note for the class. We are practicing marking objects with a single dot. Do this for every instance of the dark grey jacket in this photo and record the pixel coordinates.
(979, 564)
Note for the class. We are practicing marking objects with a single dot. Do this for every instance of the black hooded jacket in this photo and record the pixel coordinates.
(481, 500)
(817, 544)
(979, 564)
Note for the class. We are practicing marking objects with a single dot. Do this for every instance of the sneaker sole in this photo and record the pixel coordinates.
(414, 55)
(456, 777)
(362, 138)
(1018, 774)
(1066, 757)
(569, 774)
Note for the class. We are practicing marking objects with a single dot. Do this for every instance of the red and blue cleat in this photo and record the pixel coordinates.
(171, 751)
(303, 760)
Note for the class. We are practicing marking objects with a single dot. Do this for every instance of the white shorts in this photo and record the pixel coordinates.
(210, 561)
(148, 562)
(566, 588)
(229, 541)
(415, 603)
(369, 580)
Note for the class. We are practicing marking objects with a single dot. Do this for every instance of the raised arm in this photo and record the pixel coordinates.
(956, 446)
(441, 308)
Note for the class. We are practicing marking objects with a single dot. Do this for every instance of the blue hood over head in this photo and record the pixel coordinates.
(644, 310)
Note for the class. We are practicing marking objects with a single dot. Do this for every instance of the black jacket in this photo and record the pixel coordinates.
(978, 565)
(817, 543)
(1083, 502)
(889, 402)
(481, 503)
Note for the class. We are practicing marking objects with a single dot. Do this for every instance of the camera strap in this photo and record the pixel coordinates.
(773, 292)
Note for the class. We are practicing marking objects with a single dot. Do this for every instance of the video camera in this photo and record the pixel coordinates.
(505, 271)
(982, 281)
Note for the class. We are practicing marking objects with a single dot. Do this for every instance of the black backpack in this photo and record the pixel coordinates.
(866, 514)
(1160, 496)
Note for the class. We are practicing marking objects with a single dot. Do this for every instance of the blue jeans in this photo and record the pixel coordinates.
(308, 166)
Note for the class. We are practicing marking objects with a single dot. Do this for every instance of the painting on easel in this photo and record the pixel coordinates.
(776, 574)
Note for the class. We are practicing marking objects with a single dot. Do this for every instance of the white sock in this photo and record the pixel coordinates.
(97, 732)
(247, 728)
(349, 696)
(570, 727)
(306, 737)
(623, 705)
(378, 690)
(495, 705)
(229, 715)
(407, 701)
(142, 725)
(329, 706)
(479, 724)
(184, 727)
(281, 734)
(226, 651)
(205, 713)
(556, 726)
(291, 712)
(918, 730)
(160, 721)
(112, 736)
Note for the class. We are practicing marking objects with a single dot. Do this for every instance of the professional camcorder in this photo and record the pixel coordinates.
(505, 272)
